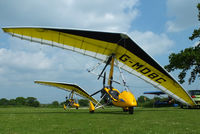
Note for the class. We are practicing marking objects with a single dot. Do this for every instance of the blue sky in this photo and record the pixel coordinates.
(160, 27)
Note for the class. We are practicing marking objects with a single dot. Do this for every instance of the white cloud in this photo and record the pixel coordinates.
(112, 15)
(183, 14)
(24, 60)
(173, 27)
(152, 43)
(84, 14)
(196, 43)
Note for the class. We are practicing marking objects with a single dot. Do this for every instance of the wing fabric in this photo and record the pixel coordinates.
(100, 45)
(69, 87)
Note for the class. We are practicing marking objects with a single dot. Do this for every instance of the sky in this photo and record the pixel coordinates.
(160, 27)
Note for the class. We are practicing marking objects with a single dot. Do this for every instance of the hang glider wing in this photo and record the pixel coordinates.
(100, 45)
(69, 87)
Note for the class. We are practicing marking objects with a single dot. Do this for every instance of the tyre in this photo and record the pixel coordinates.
(130, 110)
(182, 106)
(92, 111)
(125, 109)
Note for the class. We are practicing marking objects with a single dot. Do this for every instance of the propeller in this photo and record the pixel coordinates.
(104, 77)
(107, 63)
(95, 93)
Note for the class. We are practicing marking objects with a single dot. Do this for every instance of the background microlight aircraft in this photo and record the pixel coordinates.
(73, 89)
(112, 48)
(72, 101)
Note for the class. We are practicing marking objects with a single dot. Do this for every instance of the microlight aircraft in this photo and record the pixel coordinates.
(111, 48)
(72, 102)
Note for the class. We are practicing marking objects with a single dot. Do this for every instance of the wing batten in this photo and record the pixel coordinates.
(135, 49)
(99, 45)
(62, 46)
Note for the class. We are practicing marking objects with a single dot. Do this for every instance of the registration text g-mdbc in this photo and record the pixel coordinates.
(142, 69)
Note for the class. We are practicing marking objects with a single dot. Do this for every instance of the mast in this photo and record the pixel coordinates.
(111, 72)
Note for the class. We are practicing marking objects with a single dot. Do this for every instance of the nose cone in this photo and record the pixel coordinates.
(129, 99)
(131, 103)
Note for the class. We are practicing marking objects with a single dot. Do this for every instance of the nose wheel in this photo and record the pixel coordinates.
(131, 110)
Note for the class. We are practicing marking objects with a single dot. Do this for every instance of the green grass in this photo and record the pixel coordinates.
(107, 121)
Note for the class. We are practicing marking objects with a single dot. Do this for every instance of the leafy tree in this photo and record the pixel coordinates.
(142, 99)
(4, 102)
(55, 103)
(36, 104)
(187, 59)
(20, 101)
(12, 102)
(62, 103)
(83, 102)
(156, 98)
(31, 101)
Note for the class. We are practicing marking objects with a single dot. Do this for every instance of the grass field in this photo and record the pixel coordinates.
(107, 121)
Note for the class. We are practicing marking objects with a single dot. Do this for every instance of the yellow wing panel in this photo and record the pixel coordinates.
(152, 75)
(93, 45)
(69, 87)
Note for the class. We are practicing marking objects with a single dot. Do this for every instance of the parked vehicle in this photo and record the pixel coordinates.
(195, 94)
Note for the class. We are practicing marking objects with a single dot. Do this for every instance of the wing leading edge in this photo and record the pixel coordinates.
(100, 45)
(69, 87)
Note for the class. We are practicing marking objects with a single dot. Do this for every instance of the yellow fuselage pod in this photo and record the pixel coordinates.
(74, 104)
(125, 99)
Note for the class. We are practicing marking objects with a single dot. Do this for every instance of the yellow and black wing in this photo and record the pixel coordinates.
(100, 45)
(69, 87)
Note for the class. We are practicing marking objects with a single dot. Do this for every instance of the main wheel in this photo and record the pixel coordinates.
(130, 110)
(181, 106)
(125, 109)
(92, 111)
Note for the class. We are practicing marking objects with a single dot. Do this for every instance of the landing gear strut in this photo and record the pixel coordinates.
(125, 109)
(130, 110)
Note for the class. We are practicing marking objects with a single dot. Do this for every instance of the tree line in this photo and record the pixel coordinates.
(142, 101)
(20, 101)
(33, 102)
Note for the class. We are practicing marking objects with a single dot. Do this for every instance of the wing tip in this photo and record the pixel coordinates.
(5, 29)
